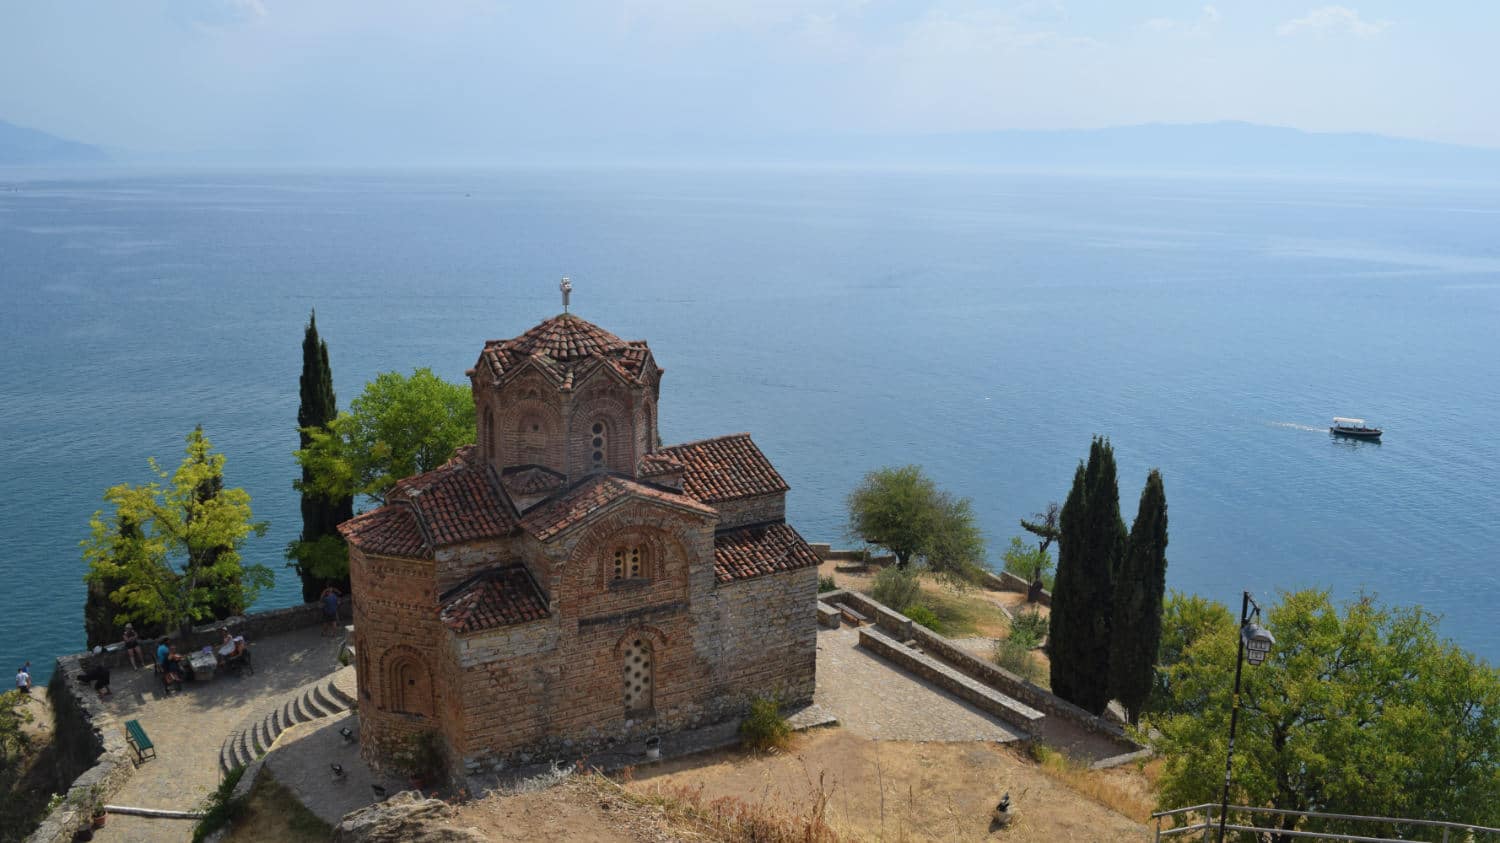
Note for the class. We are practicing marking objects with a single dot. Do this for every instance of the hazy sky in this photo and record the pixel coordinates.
(463, 78)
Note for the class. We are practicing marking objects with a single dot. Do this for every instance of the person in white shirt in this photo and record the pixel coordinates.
(23, 680)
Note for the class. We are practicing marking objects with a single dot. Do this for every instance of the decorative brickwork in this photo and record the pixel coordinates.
(567, 584)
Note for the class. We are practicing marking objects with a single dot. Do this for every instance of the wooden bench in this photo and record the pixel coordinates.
(138, 740)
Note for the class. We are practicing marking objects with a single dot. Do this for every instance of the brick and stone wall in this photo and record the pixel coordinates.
(752, 510)
(769, 638)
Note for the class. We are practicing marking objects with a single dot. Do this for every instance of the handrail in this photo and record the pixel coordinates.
(1209, 810)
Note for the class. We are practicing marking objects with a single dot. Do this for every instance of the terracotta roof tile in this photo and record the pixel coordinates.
(560, 345)
(453, 503)
(497, 597)
(759, 549)
(658, 463)
(725, 469)
(531, 480)
(391, 530)
(573, 507)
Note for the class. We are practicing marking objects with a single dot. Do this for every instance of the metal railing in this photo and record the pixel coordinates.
(1450, 832)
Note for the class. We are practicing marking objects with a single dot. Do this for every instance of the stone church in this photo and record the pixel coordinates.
(568, 582)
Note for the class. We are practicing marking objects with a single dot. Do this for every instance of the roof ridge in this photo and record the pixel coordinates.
(744, 434)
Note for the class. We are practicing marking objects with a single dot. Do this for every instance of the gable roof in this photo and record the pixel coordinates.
(725, 469)
(594, 493)
(459, 501)
(564, 347)
(748, 552)
(526, 480)
(497, 597)
(391, 530)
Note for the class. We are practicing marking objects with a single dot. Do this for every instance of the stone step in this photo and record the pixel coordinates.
(312, 705)
(290, 716)
(342, 686)
(259, 738)
(326, 700)
(227, 760)
(239, 751)
(246, 743)
(301, 711)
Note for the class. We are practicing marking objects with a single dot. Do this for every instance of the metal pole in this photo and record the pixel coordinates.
(1234, 715)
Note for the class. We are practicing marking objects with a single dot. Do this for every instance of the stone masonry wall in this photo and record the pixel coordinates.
(770, 636)
(753, 510)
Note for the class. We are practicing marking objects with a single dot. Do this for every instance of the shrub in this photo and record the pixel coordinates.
(826, 584)
(219, 810)
(924, 616)
(1028, 628)
(1017, 659)
(897, 588)
(1022, 560)
(764, 728)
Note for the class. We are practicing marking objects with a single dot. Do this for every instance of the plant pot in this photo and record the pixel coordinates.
(653, 748)
(99, 819)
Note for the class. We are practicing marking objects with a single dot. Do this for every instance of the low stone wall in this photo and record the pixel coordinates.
(828, 616)
(88, 738)
(975, 668)
(1006, 581)
(254, 626)
(828, 553)
(91, 741)
(970, 690)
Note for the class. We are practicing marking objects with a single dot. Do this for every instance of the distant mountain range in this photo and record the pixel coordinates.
(1228, 148)
(20, 145)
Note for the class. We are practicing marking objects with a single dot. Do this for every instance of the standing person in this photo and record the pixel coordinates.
(23, 679)
(161, 653)
(132, 646)
(330, 600)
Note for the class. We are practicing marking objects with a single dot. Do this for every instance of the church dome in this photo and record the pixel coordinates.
(561, 343)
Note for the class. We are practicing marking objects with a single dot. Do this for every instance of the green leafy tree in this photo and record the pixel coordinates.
(903, 511)
(1140, 584)
(1092, 540)
(319, 554)
(1029, 563)
(14, 716)
(1356, 711)
(397, 427)
(1185, 620)
(170, 550)
(898, 588)
(1044, 525)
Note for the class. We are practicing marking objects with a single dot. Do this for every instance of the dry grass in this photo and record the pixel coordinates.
(688, 812)
(273, 815)
(1124, 796)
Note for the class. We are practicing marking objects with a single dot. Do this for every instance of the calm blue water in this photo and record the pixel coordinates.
(981, 325)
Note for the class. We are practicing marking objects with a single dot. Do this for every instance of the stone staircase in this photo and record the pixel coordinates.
(253, 737)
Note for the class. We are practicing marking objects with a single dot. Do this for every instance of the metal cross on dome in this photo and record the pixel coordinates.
(567, 288)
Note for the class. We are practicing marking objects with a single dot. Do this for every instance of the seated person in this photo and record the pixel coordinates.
(239, 652)
(97, 673)
(177, 665)
(132, 645)
(226, 646)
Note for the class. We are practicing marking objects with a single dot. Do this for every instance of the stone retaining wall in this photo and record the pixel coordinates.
(1006, 581)
(88, 738)
(975, 668)
(967, 689)
(90, 741)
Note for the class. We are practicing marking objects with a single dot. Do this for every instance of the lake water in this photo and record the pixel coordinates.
(984, 326)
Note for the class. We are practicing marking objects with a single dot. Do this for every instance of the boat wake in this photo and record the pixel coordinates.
(1295, 426)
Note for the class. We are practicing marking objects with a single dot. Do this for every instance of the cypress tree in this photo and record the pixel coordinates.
(1139, 588)
(1091, 543)
(319, 407)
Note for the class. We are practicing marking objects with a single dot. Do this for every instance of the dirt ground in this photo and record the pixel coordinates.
(875, 790)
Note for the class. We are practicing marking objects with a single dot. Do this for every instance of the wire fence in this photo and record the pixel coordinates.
(1245, 821)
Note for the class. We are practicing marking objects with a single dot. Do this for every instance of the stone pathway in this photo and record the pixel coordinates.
(874, 699)
(189, 728)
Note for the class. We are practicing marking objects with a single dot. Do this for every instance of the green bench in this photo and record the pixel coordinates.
(139, 742)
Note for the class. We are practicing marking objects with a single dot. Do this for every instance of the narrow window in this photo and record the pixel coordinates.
(638, 670)
(490, 442)
(599, 444)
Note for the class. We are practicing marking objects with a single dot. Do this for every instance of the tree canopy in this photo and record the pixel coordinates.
(399, 426)
(319, 553)
(1357, 710)
(171, 553)
(903, 511)
(1140, 584)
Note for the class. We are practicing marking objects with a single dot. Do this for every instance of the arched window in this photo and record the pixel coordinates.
(639, 668)
(599, 445)
(629, 562)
